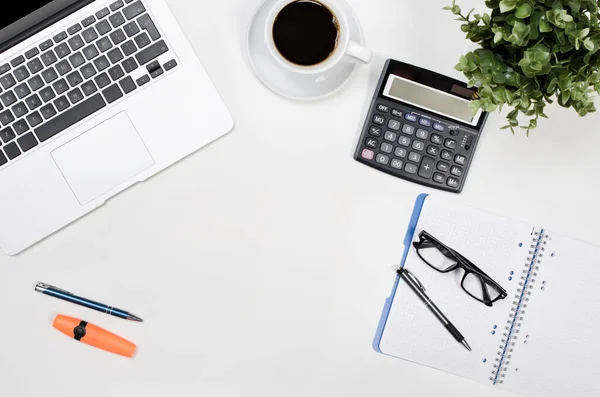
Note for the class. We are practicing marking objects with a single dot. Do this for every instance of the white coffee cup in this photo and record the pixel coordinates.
(345, 51)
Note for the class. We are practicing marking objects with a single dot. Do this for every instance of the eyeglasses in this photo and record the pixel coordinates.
(444, 259)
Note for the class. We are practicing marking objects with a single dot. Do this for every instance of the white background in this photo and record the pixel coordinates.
(262, 262)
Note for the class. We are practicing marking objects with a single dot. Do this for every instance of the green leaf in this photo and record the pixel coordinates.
(507, 5)
(589, 44)
(545, 26)
(524, 11)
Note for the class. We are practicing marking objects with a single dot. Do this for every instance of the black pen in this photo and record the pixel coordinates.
(414, 283)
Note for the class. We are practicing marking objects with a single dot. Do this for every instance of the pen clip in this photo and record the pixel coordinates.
(415, 279)
(48, 286)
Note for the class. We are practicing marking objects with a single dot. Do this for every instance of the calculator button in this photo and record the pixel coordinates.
(418, 145)
(444, 167)
(396, 113)
(408, 129)
(425, 122)
(462, 160)
(394, 125)
(383, 108)
(377, 119)
(375, 131)
(450, 143)
(433, 150)
(410, 117)
(456, 171)
(397, 164)
(414, 157)
(422, 134)
(438, 127)
(400, 152)
(390, 136)
(386, 148)
(382, 159)
(426, 167)
(439, 178)
(370, 142)
(367, 154)
(410, 168)
(404, 141)
(437, 139)
(446, 155)
(454, 131)
(452, 182)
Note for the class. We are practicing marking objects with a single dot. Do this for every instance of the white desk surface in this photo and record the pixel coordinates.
(261, 263)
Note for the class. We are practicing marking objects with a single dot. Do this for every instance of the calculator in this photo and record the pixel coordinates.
(421, 127)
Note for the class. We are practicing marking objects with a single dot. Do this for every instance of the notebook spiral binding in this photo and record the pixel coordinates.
(519, 306)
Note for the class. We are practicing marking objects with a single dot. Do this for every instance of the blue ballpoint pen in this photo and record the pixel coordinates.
(55, 292)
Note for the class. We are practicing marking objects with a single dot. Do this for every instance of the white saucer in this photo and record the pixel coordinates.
(284, 82)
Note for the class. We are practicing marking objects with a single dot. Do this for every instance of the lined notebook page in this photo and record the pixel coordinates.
(492, 243)
(558, 349)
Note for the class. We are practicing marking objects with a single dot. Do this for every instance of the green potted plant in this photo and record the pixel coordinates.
(531, 53)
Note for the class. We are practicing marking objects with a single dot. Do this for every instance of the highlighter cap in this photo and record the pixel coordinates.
(93, 335)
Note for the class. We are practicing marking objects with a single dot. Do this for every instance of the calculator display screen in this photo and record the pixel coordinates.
(444, 103)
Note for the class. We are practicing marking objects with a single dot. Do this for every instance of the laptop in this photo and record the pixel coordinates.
(95, 96)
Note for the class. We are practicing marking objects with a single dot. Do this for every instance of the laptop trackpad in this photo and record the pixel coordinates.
(103, 158)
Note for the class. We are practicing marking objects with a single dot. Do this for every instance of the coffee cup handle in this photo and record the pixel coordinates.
(359, 53)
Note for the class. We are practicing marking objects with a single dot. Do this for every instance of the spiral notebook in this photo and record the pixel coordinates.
(542, 340)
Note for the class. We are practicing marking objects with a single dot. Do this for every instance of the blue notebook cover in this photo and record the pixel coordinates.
(407, 240)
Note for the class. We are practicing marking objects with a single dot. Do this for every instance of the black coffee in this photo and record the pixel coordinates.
(306, 32)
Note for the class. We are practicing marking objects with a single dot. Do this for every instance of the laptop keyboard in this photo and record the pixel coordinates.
(79, 71)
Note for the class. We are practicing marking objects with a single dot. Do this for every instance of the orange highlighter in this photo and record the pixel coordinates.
(93, 335)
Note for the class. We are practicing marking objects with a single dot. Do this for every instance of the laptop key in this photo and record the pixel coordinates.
(116, 72)
(31, 53)
(147, 25)
(62, 50)
(22, 90)
(88, 71)
(101, 63)
(4, 68)
(34, 119)
(102, 13)
(19, 110)
(104, 44)
(74, 79)
(102, 80)
(8, 98)
(33, 102)
(34, 66)
(90, 52)
(60, 86)
(6, 118)
(7, 81)
(49, 75)
(47, 94)
(127, 84)
(48, 111)
(112, 93)
(116, 20)
(70, 117)
(117, 37)
(27, 142)
(35, 83)
(148, 54)
(17, 61)
(20, 126)
(21, 73)
(77, 59)
(3, 159)
(88, 21)
(48, 58)
(116, 5)
(75, 95)
(128, 48)
(74, 29)
(142, 40)
(115, 55)
(143, 80)
(63, 67)
(89, 34)
(62, 103)
(103, 27)
(60, 37)
(133, 10)
(129, 65)
(89, 88)
(7, 135)
(46, 44)
(131, 29)
(170, 65)
(76, 42)
(12, 150)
